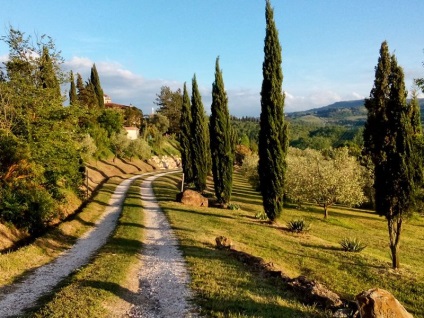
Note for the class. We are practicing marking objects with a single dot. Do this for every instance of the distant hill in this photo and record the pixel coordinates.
(346, 113)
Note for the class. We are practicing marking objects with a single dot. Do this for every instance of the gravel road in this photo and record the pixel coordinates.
(43, 279)
(163, 278)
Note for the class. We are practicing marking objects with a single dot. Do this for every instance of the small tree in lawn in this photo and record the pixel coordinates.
(200, 140)
(392, 139)
(273, 138)
(220, 140)
(324, 179)
(185, 137)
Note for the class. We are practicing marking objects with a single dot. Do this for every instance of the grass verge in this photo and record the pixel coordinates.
(226, 288)
(103, 287)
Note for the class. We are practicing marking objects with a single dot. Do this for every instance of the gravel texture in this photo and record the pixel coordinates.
(163, 278)
(23, 295)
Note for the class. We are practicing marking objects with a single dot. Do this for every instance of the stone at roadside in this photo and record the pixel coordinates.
(379, 303)
(316, 292)
(223, 242)
(192, 198)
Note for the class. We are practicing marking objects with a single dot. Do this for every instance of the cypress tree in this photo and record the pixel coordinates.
(95, 81)
(185, 137)
(199, 133)
(220, 140)
(273, 130)
(389, 135)
(73, 98)
(48, 78)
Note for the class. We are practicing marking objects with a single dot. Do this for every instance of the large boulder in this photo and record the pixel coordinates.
(192, 198)
(379, 303)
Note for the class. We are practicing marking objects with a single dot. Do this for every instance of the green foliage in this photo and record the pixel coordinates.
(222, 149)
(185, 137)
(138, 148)
(119, 143)
(298, 226)
(261, 215)
(233, 206)
(111, 121)
(390, 139)
(352, 245)
(170, 104)
(73, 97)
(200, 139)
(97, 88)
(273, 136)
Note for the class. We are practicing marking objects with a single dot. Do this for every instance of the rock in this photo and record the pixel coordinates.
(223, 242)
(316, 292)
(379, 303)
(192, 198)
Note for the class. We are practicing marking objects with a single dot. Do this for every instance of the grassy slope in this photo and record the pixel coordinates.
(225, 288)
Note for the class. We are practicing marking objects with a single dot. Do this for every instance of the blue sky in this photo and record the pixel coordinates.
(329, 47)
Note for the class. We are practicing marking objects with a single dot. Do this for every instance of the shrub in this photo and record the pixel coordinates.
(298, 226)
(261, 215)
(249, 169)
(233, 206)
(352, 245)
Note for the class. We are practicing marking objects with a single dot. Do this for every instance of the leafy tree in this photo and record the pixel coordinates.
(133, 117)
(185, 137)
(273, 129)
(73, 97)
(326, 179)
(138, 148)
(200, 140)
(170, 104)
(111, 121)
(97, 88)
(220, 140)
(119, 142)
(86, 95)
(47, 74)
(389, 135)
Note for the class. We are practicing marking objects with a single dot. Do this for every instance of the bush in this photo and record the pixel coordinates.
(233, 206)
(298, 226)
(261, 215)
(249, 169)
(352, 245)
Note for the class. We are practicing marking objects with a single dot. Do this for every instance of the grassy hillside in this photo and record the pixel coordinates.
(225, 287)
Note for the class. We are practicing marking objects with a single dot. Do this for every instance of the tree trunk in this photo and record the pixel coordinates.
(395, 228)
(325, 211)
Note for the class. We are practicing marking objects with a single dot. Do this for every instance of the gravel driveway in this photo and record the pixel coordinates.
(163, 278)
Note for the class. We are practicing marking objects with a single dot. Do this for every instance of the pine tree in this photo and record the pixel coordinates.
(273, 129)
(73, 98)
(220, 140)
(95, 81)
(199, 133)
(389, 135)
(185, 137)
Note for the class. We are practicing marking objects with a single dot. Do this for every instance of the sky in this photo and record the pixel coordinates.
(329, 47)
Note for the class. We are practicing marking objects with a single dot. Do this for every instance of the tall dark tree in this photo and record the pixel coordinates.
(170, 103)
(200, 140)
(47, 73)
(185, 137)
(220, 140)
(95, 81)
(390, 138)
(273, 129)
(73, 97)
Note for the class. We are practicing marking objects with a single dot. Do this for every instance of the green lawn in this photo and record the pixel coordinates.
(226, 288)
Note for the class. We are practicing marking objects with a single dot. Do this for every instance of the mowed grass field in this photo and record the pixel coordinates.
(225, 287)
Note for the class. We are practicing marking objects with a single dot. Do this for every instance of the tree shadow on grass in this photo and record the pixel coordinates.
(202, 213)
(113, 165)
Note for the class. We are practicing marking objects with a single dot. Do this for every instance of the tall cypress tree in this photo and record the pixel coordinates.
(220, 140)
(273, 130)
(73, 98)
(95, 81)
(47, 73)
(389, 135)
(185, 137)
(199, 133)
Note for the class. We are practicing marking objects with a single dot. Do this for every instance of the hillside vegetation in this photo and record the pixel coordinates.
(225, 287)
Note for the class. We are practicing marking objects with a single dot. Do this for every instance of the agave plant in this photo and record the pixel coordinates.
(298, 226)
(352, 245)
